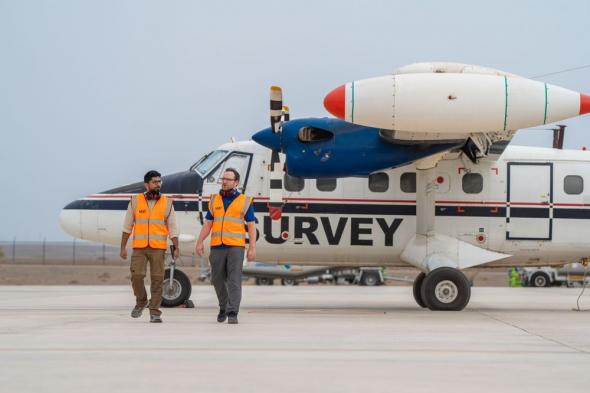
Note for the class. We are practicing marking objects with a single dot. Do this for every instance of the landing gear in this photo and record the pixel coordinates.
(289, 282)
(417, 287)
(371, 278)
(264, 281)
(445, 289)
(179, 292)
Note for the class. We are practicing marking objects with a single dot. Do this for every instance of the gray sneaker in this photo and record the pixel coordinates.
(136, 312)
(232, 318)
(155, 318)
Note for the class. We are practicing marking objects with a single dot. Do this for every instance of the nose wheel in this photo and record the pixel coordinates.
(443, 289)
(176, 292)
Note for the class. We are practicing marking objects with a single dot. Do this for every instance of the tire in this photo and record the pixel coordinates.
(445, 289)
(370, 279)
(540, 279)
(416, 289)
(264, 281)
(289, 282)
(181, 289)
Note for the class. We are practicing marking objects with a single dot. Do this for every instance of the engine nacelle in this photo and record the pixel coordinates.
(324, 147)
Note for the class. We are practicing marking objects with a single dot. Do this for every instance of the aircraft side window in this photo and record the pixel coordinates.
(407, 182)
(326, 185)
(379, 182)
(573, 185)
(472, 183)
(237, 161)
(293, 184)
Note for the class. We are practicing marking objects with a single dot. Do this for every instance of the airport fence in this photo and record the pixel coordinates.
(74, 252)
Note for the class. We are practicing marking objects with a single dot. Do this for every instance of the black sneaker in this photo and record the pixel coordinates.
(221, 316)
(155, 318)
(232, 318)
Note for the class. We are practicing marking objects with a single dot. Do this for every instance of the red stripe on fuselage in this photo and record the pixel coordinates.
(361, 200)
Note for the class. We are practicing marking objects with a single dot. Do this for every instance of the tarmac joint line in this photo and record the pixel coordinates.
(533, 333)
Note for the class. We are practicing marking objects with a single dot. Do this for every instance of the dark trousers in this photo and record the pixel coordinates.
(139, 260)
(226, 276)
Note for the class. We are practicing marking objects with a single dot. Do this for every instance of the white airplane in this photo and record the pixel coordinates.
(331, 192)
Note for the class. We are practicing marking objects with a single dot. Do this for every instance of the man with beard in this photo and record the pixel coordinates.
(151, 218)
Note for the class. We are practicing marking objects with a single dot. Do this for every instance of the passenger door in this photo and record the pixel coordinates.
(529, 212)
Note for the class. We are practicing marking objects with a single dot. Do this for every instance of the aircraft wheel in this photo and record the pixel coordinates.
(179, 292)
(416, 289)
(445, 289)
(540, 280)
(370, 279)
(264, 281)
(289, 282)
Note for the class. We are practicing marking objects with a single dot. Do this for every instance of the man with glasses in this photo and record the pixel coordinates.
(151, 218)
(228, 211)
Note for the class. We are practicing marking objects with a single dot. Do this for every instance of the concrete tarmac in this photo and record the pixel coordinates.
(294, 339)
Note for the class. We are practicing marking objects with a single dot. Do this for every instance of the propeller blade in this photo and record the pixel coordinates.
(276, 179)
(278, 115)
(274, 159)
(276, 108)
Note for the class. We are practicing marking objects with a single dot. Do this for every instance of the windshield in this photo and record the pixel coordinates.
(205, 164)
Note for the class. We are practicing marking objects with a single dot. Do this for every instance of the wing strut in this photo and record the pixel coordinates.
(429, 249)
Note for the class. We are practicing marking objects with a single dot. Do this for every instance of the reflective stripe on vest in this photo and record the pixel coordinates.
(228, 226)
(150, 229)
(229, 234)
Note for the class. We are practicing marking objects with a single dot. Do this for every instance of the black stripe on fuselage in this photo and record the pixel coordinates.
(530, 212)
(471, 211)
(356, 208)
(97, 204)
(571, 213)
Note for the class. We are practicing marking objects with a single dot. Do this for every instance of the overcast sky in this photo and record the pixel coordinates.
(94, 93)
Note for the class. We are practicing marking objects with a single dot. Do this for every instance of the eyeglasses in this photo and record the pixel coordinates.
(226, 179)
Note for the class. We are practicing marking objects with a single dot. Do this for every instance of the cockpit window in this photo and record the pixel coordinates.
(205, 164)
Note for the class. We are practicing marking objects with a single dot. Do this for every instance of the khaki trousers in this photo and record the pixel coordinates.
(139, 260)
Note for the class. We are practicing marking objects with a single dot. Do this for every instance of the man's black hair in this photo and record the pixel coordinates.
(148, 176)
(232, 170)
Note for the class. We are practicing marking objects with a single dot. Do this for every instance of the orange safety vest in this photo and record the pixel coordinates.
(150, 229)
(228, 226)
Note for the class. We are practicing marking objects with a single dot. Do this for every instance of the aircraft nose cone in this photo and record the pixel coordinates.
(69, 220)
(335, 100)
(267, 138)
